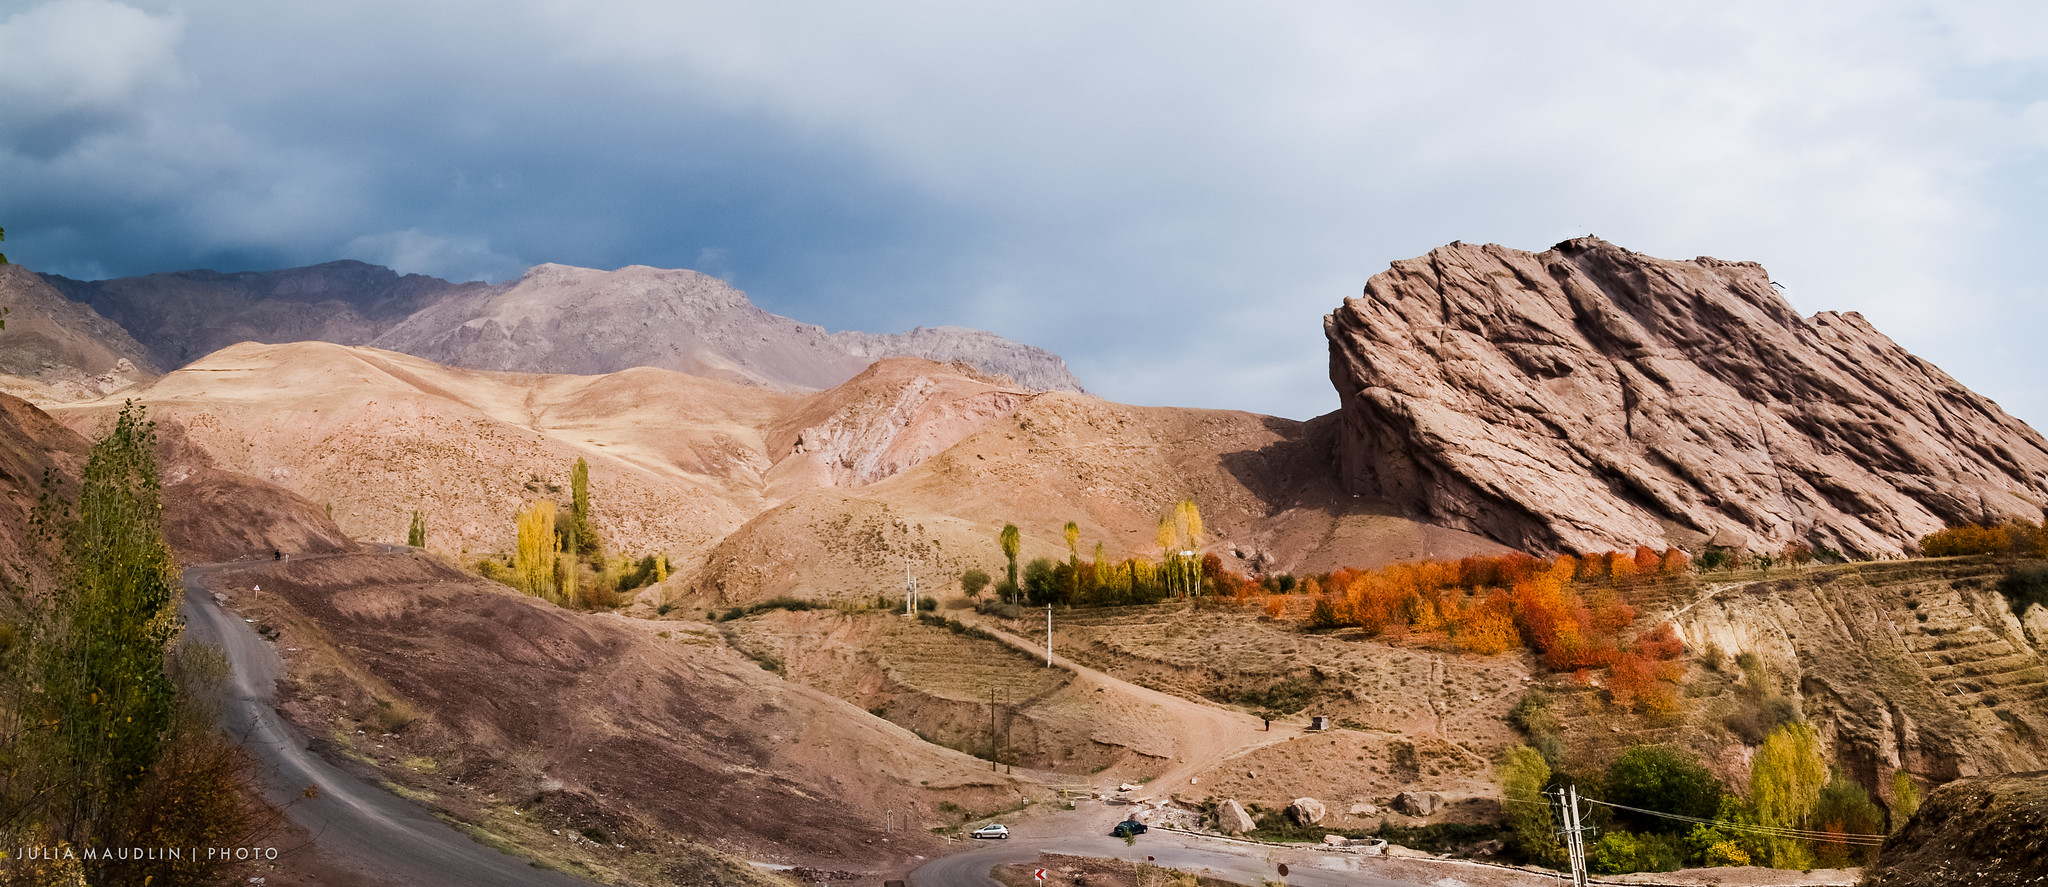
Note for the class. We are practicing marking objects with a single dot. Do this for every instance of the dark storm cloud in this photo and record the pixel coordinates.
(1168, 195)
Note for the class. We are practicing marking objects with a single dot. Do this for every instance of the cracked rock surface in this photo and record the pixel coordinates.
(1589, 398)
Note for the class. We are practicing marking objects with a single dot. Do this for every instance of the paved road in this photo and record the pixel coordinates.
(356, 822)
(1077, 833)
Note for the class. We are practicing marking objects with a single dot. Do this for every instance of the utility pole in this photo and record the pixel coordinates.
(1048, 635)
(995, 761)
(1573, 833)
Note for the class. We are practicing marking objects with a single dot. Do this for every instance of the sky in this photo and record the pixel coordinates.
(1170, 195)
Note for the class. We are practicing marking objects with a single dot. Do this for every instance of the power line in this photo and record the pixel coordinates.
(1859, 838)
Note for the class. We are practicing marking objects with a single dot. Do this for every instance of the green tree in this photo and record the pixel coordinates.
(973, 581)
(1905, 799)
(3, 261)
(416, 535)
(1664, 779)
(1530, 825)
(1012, 542)
(104, 693)
(1041, 580)
(1845, 808)
(585, 539)
(1785, 780)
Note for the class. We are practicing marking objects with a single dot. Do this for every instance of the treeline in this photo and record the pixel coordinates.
(561, 557)
(1180, 570)
(2015, 538)
(108, 735)
(1657, 808)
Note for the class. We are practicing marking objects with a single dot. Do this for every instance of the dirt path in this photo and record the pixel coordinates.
(1204, 735)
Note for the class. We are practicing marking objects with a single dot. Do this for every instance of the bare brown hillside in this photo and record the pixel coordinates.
(618, 747)
(55, 350)
(752, 493)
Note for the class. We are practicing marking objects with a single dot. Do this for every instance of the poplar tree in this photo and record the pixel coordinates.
(1073, 534)
(1012, 542)
(103, 692)
(416, 536)
(534, 562)
(584, 538)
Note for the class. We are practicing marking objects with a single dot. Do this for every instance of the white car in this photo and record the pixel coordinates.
(992, 830)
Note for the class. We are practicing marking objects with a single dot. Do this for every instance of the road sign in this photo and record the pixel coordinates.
(1039, 875)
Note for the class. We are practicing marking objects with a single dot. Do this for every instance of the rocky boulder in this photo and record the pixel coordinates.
(1307, 811)
(1365, 809)
(1418, 803)
(1590, 398)
(1231, 818)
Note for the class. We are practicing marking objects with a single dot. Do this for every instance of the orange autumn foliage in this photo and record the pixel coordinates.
(1571, 611)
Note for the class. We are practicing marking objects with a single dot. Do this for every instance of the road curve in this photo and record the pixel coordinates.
(356, 822)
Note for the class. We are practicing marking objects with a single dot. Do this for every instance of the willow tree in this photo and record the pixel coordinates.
(1012, 542)
(534, 562)
(1531, 828)
(1785, 780)
(103, 692)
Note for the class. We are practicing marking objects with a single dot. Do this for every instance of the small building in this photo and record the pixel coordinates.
(1318, 722)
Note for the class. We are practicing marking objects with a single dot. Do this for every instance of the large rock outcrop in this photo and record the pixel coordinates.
(1590, 398)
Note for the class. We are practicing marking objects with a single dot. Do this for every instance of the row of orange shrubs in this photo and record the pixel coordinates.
(1572, 611)
(2017, 538)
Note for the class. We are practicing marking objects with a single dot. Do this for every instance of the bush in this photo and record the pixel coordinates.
(1845, 809)
(1663, 779)
(2024, 587)
(1620, 853)
(973, 581)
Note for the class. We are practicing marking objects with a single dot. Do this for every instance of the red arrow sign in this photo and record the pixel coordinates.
(1040, 874)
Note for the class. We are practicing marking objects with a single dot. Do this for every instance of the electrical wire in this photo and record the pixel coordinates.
(1857, 838)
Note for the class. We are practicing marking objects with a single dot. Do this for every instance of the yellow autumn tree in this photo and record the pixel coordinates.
(534, 562)
(1785, 780)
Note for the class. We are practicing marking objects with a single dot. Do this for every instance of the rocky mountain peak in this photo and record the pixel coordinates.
(1589, 397)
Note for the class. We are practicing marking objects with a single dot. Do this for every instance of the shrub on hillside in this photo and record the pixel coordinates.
(2024, 587)
(2013, 538)
(1664, 779)
(1619, 853)
(1845, 809)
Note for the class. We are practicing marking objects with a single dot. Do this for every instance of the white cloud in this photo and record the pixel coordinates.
(69, 67)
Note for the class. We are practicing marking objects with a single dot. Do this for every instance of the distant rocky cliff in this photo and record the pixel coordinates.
(554, 319)
(1590, 398)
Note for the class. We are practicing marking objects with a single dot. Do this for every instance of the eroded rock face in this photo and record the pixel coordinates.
(1590, 398)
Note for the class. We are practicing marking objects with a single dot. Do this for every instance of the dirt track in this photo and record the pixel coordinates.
(370, 828)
